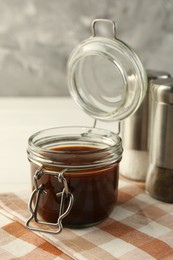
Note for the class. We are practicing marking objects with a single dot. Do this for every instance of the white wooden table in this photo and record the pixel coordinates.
(20, 118)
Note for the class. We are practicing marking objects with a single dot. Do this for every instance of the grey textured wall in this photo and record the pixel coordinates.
(36, 37)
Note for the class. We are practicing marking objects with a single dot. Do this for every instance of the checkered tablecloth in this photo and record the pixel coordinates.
(139, 227)
(16, 242)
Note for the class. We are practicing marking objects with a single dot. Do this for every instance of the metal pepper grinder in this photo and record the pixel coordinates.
(134, 163)
(159, 182)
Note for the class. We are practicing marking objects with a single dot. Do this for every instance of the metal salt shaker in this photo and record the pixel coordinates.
(134, 163)
(159, 182)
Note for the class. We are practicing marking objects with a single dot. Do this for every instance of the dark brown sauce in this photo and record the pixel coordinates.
(94, 189)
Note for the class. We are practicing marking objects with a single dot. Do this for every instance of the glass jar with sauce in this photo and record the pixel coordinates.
(81, 162)
(75, 169)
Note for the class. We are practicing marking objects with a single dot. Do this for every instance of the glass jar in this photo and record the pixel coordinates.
(74, 176)
(75, 170)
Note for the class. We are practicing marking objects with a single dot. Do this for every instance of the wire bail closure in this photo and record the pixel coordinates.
(118, 126)
(36, 195)
(105, 21)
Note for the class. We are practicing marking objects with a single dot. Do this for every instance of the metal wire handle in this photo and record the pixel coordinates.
(38, 191)
(104, 20)
(119, 128)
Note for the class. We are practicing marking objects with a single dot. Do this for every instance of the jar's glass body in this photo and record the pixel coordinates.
(90, 158)
(107, 80)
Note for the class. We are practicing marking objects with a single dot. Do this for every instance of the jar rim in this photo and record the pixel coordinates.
(39, 145)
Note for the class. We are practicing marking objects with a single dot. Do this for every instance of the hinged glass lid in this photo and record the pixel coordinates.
(106, 78)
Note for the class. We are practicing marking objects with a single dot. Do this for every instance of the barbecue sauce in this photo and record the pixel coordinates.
(94, 188)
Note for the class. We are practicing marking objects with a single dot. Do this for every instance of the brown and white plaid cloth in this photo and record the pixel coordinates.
(139, 227)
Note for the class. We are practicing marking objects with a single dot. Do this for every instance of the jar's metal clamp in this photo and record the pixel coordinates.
(104, 21)
(35, 199)
(118, 126)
